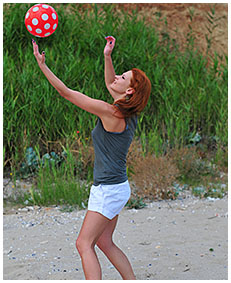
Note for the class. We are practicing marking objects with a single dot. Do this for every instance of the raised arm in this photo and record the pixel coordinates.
(109, 72)
(94, 106)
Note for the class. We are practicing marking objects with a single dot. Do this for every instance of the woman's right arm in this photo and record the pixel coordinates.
(98, 107)
(54, 81)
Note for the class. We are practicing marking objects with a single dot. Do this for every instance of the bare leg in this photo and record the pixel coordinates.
(113, 253)
(93, 226)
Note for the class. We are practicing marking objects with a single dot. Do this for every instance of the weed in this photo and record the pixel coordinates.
(154, 176)
(136, 202)
(192, 168)
(186, 96)
(188, 103)
(59, 186)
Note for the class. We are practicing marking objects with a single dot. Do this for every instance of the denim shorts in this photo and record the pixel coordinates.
(109, 200)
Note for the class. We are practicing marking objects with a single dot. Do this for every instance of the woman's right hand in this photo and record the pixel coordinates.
(40, 58)
(109, 46)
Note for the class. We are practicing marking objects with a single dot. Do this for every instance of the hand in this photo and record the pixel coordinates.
(40, 58)
(109, 46)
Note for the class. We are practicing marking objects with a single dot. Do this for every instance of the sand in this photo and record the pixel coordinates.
(168, 240)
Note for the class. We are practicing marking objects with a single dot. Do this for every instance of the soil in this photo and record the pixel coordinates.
(179, 240)
(179, 22)
(178, 19)
(204, 19)
(157, 239)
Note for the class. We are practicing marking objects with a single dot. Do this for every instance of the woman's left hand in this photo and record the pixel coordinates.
(109, 46)
(40, 58)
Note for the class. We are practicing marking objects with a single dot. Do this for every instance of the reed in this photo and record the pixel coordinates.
(59, 185)
(187, 97)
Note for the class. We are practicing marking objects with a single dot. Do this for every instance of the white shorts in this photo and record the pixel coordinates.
(109, 200)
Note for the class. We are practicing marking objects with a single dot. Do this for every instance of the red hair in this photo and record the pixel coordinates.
(136, 102)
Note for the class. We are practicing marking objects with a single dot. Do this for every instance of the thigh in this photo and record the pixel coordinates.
(108, 231)
(105, 239)
(93, 226)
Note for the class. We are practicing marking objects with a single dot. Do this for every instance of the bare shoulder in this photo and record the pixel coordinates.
(112, 122)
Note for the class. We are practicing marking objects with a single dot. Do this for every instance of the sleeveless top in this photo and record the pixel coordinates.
(111, 150)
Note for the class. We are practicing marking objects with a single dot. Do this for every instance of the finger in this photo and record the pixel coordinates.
(110, 43)
(43, 56)
(110, 39)
(35, 46)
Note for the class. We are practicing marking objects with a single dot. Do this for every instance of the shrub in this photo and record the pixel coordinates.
(153, 176)
(187, 95)
(192, 167)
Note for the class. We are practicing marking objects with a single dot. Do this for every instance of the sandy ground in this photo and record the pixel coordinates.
(178, 19)
(182, 239)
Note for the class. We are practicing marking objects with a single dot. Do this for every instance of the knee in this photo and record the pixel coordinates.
(105, 244)
(78, 244)
(81, 245)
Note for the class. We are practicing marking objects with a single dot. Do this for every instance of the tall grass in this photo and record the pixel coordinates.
(187, 96)
(59, 185)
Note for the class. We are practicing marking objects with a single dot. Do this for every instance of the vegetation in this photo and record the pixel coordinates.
(187, 107)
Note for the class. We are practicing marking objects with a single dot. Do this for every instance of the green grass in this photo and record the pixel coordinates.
(59, 186)
(187, 96)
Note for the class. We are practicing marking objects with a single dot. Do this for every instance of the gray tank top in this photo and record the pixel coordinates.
(111, 150)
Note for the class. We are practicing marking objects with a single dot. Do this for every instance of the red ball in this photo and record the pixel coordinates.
(41, 20)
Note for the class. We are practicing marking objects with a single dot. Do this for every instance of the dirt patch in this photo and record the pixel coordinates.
(179, 19)
(206, 19)
(179, 240)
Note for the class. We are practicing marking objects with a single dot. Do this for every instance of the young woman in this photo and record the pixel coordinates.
(112, 137)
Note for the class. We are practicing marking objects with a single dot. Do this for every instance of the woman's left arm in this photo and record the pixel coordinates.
(94, 106)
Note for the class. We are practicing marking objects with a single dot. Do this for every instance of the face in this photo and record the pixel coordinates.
(121, 85)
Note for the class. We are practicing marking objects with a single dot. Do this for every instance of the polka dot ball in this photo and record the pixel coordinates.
(41, 20)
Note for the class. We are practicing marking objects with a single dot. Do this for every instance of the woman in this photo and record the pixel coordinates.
(112, 137)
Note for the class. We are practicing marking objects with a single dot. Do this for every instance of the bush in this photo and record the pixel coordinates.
(187, 96)
(192, 168)
(153, 176)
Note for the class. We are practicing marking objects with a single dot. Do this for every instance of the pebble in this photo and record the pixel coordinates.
(151, 218)
(54, 220)
(43, 243)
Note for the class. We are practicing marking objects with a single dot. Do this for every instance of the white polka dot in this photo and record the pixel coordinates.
(34, 21)
(54, 16)
(45, 17)
(29, 27)
(35, 9)
(45, 6)
(47, 26)
(48, 33)
(37, 35)
(38, 30)
(27, 15)
(54, 26)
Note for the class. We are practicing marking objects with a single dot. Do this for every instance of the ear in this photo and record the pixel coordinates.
(130, 91)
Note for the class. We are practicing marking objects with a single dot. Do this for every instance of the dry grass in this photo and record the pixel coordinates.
(153, 176)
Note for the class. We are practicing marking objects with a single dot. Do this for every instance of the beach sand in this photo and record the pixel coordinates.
(168, 240)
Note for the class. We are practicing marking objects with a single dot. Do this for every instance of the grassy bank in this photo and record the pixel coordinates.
(187, 107)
